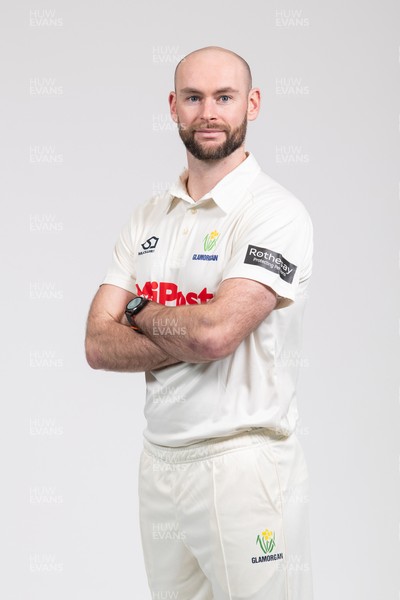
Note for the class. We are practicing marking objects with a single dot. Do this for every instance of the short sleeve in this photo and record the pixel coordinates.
(122, 271)
(274, 248)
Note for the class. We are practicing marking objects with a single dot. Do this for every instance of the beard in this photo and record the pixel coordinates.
(234, 139)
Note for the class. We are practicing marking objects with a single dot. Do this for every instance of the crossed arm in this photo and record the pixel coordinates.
(192, 333)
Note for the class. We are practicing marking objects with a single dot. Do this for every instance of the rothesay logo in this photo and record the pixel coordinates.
(272, 261)
(149, 245)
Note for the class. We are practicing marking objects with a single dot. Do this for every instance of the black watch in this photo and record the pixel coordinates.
(133, 308)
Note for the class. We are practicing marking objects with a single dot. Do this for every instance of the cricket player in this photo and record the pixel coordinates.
(205, 294)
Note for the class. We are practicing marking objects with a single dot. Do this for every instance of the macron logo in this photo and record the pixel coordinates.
(149, 245)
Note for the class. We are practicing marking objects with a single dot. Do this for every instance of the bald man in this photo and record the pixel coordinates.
(205, 294)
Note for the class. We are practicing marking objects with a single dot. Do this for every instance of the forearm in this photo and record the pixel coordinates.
(113, 346)
(186, 332)
(197, 333)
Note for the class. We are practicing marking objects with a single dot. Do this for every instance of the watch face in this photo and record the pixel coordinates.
(134, 303)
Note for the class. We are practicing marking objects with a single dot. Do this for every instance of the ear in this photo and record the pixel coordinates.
(172, 106)
(253, 104)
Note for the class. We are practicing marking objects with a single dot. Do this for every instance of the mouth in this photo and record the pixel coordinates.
(209, 132)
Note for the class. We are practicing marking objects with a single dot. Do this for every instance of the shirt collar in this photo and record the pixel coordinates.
(227, 193)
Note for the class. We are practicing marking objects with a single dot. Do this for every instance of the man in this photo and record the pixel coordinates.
(205, 294)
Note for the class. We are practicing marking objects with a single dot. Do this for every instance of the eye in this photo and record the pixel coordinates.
(192, 98)
(225, 98)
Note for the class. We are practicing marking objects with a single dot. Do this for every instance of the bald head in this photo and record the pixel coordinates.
(215, 55)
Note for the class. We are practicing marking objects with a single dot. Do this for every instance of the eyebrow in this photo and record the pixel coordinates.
(189, 90)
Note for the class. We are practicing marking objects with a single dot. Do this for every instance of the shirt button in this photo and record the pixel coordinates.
(185, 231)
(193, 210)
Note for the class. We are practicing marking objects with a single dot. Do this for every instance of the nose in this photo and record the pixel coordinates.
(208, 109)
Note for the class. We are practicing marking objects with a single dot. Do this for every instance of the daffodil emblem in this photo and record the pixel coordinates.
(266, 541)
(210, 241)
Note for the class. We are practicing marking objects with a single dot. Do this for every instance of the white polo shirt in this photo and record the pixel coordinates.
(177, 251)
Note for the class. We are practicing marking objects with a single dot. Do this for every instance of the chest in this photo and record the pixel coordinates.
(181, 255)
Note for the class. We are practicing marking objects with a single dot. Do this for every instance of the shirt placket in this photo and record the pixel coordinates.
(185, 236)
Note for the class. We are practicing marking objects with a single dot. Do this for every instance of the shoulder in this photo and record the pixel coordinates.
(273, 199)
(156, 205)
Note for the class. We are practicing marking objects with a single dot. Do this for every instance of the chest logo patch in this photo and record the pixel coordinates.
(149, 245)
(210, 240)
(209, 243)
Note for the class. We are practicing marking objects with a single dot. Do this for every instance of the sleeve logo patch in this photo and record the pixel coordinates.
(272, 261)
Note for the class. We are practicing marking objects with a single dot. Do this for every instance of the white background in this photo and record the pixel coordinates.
(85, 137)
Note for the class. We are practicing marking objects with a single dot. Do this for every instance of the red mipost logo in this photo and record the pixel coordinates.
(166, 291)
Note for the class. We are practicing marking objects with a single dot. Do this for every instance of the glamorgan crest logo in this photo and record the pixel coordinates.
(267, 543)
(210, 240)
(209, 243)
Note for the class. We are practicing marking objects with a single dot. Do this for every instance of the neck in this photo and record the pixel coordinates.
(205, 174)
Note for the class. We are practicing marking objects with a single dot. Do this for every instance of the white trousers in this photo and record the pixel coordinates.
(226, 519)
